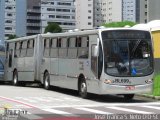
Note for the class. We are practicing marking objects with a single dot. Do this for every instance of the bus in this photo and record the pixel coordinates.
(101, 61)
(2, 61)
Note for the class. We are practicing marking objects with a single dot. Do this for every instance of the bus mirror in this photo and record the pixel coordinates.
(95, 51)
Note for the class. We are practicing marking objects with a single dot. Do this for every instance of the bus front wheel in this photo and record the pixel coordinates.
(83, 89)
(46, 81)
(15, 78)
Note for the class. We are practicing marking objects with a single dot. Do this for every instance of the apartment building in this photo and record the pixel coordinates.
(129, 10)
(58, 11)
(153, 10)
(93, 13)
(28, 17)
(141, 11)
(84, 14)
(8, 18)
(33, 17)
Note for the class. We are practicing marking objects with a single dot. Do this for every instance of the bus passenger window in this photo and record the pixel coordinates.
(54, 48)
(63, 49)
(83, 50)
(59, 42)
(30, 46)
(72, 49)
(46, 48)
(10, 58)
(23, 49)
(79, 42)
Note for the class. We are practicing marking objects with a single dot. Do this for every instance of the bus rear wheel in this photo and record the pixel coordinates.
(83, 89)
(128, 96)
(15, 78)
(46, 81)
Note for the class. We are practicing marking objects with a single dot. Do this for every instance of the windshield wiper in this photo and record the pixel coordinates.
(135, 47)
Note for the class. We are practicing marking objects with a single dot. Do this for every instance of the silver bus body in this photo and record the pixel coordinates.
(67, 61)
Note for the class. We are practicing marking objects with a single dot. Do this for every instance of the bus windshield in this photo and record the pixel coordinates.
(127, 53)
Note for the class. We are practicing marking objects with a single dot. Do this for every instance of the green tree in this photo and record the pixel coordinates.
(53, 28)
(119, 24)
(12, 37)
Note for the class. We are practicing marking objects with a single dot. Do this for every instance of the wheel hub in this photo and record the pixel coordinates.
(83, 87)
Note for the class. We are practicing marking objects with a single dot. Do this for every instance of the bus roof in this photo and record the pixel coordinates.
(73, 33)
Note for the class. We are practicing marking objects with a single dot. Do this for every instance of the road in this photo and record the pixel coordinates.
(40, 104)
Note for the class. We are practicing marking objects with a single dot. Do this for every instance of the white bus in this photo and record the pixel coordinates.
(102, 61)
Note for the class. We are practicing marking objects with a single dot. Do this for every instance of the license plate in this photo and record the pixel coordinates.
(130, 87)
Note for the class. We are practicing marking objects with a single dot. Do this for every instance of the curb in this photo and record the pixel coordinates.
(150, 96)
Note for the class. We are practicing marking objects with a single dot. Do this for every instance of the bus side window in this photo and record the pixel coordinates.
(46, 48)
(30, 48)
(23, 49)
(54, 48)
(7, 49)
(63, 48)
(10, 58)
(72, 49)
(15, 52)
(83, 49)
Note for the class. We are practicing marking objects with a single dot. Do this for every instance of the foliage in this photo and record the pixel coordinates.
(156, 88)
(119, 24)
(53, 28)
(12, 37)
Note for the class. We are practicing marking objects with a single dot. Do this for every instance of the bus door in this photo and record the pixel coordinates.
(94, 42)
(54, 61)
(9, 64)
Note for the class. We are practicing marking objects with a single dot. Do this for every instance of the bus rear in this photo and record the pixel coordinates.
(127, 61)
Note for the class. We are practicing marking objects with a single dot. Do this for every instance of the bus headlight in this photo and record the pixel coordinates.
(148, 81)
(108, 81)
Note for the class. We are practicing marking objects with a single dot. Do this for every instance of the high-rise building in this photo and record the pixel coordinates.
(94, 13)
(84, 14)
(19, 17)
(129, 10)
(58, 11)
(28, 17)
(8, 18)
(153, 10)
(33, 17)
(143, 12)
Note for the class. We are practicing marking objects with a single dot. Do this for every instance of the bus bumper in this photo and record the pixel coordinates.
(116, 89)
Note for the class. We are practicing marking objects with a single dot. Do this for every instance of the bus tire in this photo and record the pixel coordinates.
(46, 81)
(83, 88)
(15, 78)
(128, 96)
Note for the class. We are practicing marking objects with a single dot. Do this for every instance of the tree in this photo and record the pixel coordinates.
(120, 24)
(11, 37)
(53, 28)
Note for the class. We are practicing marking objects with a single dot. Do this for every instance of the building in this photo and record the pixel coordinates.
(147, 10)
(129, 10)
(94, 13)
(153, 10)
(58, 11)
(33, 17)
(28, 17)
(84, 14)
(143, 12)
(8, 18)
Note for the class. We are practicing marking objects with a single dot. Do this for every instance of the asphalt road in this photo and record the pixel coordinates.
(40, 104)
